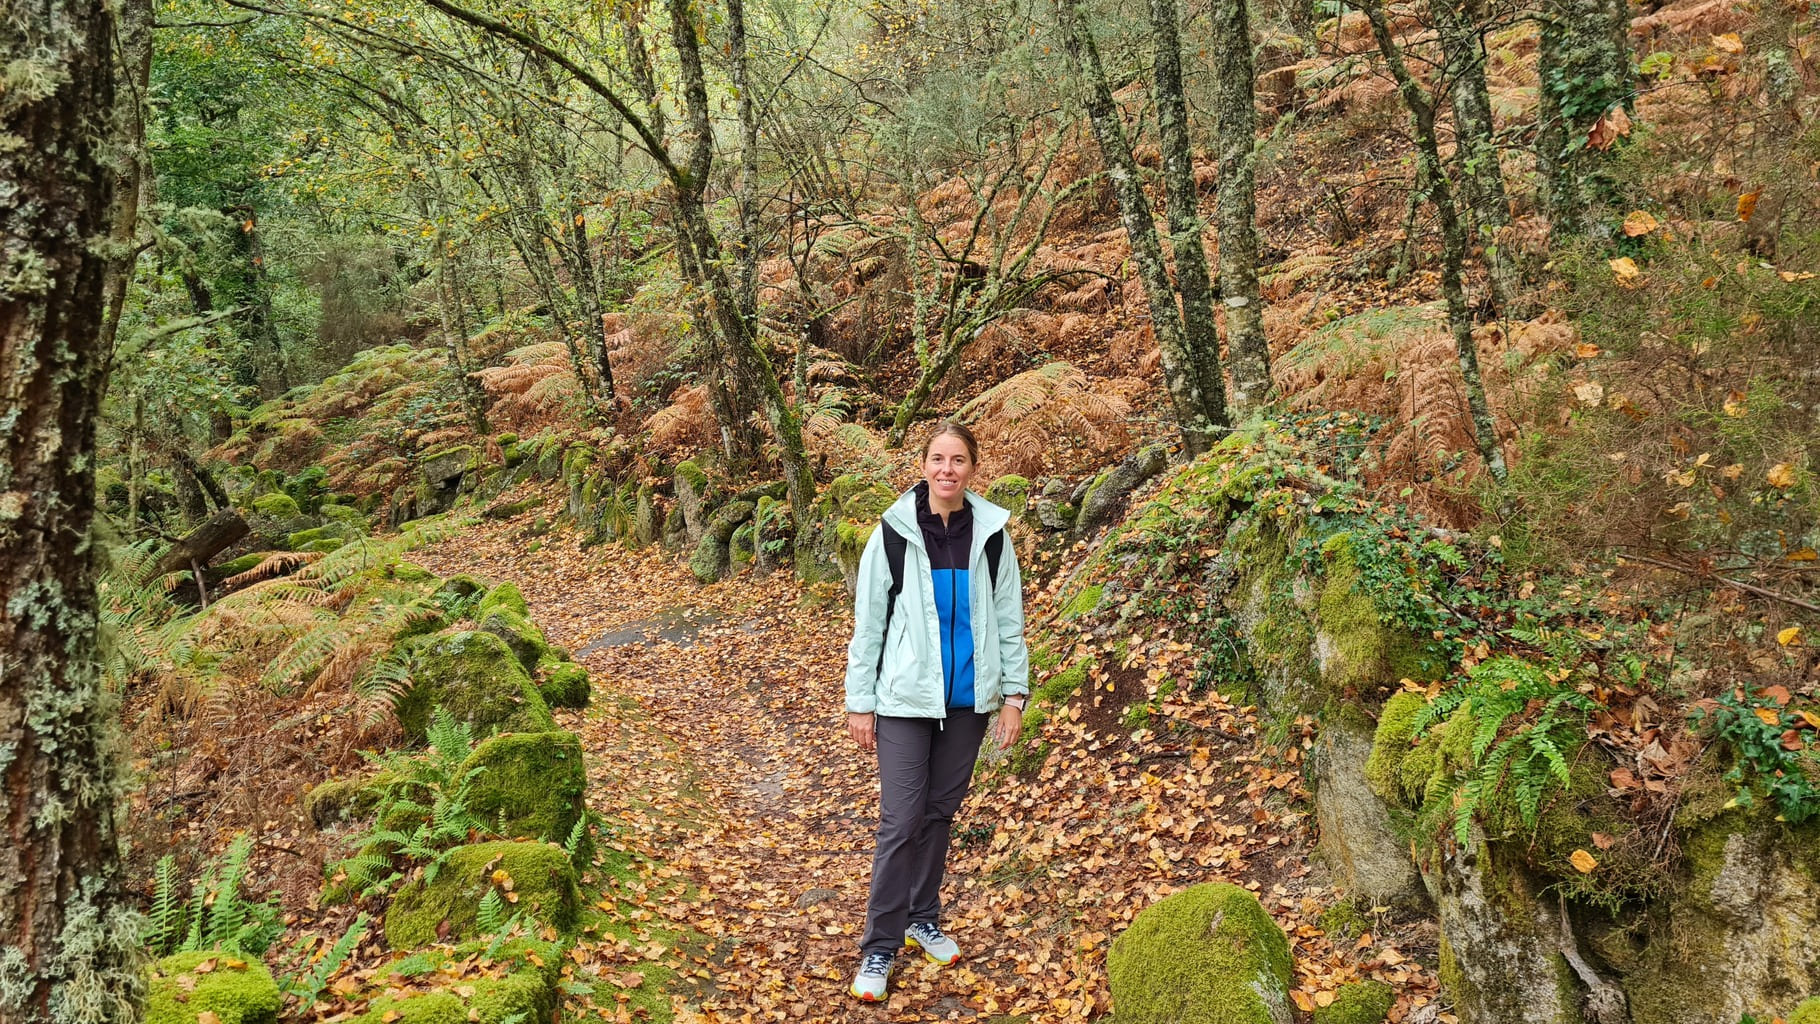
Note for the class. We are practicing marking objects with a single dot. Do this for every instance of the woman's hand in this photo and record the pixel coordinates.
(863, 729)
(1010, 726)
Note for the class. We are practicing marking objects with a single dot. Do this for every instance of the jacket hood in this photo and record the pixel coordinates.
(988, 519)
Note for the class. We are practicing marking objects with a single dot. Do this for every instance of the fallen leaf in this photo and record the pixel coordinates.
(1730, 43)
(1626, 272)
(1613, 125)
(1792, 276)
(1587, 350)
(208, 1017)
(1583, 862)
(1781, 475)
(1305, 1004)
(1590, 393)
(1602, 841)
(1639, 223)
(1747, 204)
(1789, 637)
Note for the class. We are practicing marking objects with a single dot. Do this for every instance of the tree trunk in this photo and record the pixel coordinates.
(1199, 330)
(134, 75)
(1200, 407)
(272, 370)
(216, 534)
(1584, 63)
(473, 395)
(1247, 348)
(1453, 241)
(68, 933)
(1481, 178)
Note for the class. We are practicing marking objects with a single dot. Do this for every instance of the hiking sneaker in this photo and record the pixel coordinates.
(874, 972)
(939, 948)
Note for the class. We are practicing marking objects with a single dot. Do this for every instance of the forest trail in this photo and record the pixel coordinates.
(736, 784)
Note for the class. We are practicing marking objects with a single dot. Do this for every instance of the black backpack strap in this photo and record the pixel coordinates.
(894, 559)
(995, 548)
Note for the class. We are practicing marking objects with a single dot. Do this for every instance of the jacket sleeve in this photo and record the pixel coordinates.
(1008, 603)
(863, 651)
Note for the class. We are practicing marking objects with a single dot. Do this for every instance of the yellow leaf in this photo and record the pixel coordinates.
(1791, 277)
(1747, 204)
(1324, 997)
(500, 876)
(1781, 475)
(1810, 718)
(1768, 717)
(389, 1016)
(1803, 555)
(1301, 1000)
(1587, 350)
(208, 1017)
(1626, 272)
(1789, 637)
(1733, 471)
(1730, 43)
(1583, 862)
(1639, 223)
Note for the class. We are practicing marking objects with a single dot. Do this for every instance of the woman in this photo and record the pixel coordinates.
(938, 645)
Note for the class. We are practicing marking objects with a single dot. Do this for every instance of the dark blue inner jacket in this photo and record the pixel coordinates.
(949, 545)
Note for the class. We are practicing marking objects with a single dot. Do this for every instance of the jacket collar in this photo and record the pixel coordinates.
(988, 519)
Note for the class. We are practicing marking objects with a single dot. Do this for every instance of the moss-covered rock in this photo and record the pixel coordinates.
(741, 546)
(517, 632)
(347, 515)
(277, 506)
(235, 989)
(1396, 774)
(521, 996)
(1011, 493)
(531, 785)
(437, 468)
(338, 800)
(539, 875)
(1085, 602)
(646, 526)
(507, 597)
(319, 538)
(478, 680)
(1359, 1002)
(236, 566)
(1206, 955)
(564, 684)
(728, 518)
(1358, 651)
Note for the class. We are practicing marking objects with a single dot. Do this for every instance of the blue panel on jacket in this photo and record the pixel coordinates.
(954, 605)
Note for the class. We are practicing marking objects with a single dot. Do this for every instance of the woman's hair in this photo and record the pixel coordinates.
(954, 429)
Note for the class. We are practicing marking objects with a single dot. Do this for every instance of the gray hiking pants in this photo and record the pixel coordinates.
(924, 767)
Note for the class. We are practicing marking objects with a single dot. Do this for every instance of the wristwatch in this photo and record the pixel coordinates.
(1017, 702)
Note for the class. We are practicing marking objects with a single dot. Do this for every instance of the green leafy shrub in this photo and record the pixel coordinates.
(1759, 730)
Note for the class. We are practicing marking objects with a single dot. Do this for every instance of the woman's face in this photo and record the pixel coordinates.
(947, 467)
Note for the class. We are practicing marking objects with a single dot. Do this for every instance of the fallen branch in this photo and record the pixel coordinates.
(1749, 588)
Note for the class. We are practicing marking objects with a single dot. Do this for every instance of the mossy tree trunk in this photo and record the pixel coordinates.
(1193, 376)
(68, 934)
(1246, 347)
(1585, 68)
(1453, 239)
(1461, 29)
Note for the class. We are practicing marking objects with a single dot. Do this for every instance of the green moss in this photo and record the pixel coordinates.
(506, 597)
(478, 680)
(347, 515)
(688, 471)
(1011, 493)
(411, 572)
(1085, 602)
(1393, 746)
(277, 506)
(235, 990)
(531, 786)
(850, 542)
(710, 560)
(1206, 955)
(525, 640)
(461, 587)
(523, 996)
(236, 566)
(314, 539)
(741, 547)
(564, 684)
(1807, 1013)
(340, 800)
(540, 874)
(1359, 1002)
(1344, 921)
(1358, 650)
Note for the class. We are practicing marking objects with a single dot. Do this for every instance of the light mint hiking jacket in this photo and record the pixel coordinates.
(908, 684)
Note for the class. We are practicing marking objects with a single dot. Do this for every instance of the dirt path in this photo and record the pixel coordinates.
(748, 790)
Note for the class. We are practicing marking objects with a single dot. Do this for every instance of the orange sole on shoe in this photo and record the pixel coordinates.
(865, 997)
(931, 956)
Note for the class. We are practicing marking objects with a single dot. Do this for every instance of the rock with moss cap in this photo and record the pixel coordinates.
(277, 506)
(1358, 651)
(691, 499)
(446, 909)
(1206, 955)
(516, 632)
(1011, 493)
(478, 680)
(530, 785)
(564, 684)
(235, 989)
(521, 996)
(1358, 1002)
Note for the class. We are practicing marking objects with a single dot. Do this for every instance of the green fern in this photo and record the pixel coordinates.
(165, 921)
(1527, 761)
(307, 984)
(216, 914)
(490, 916)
